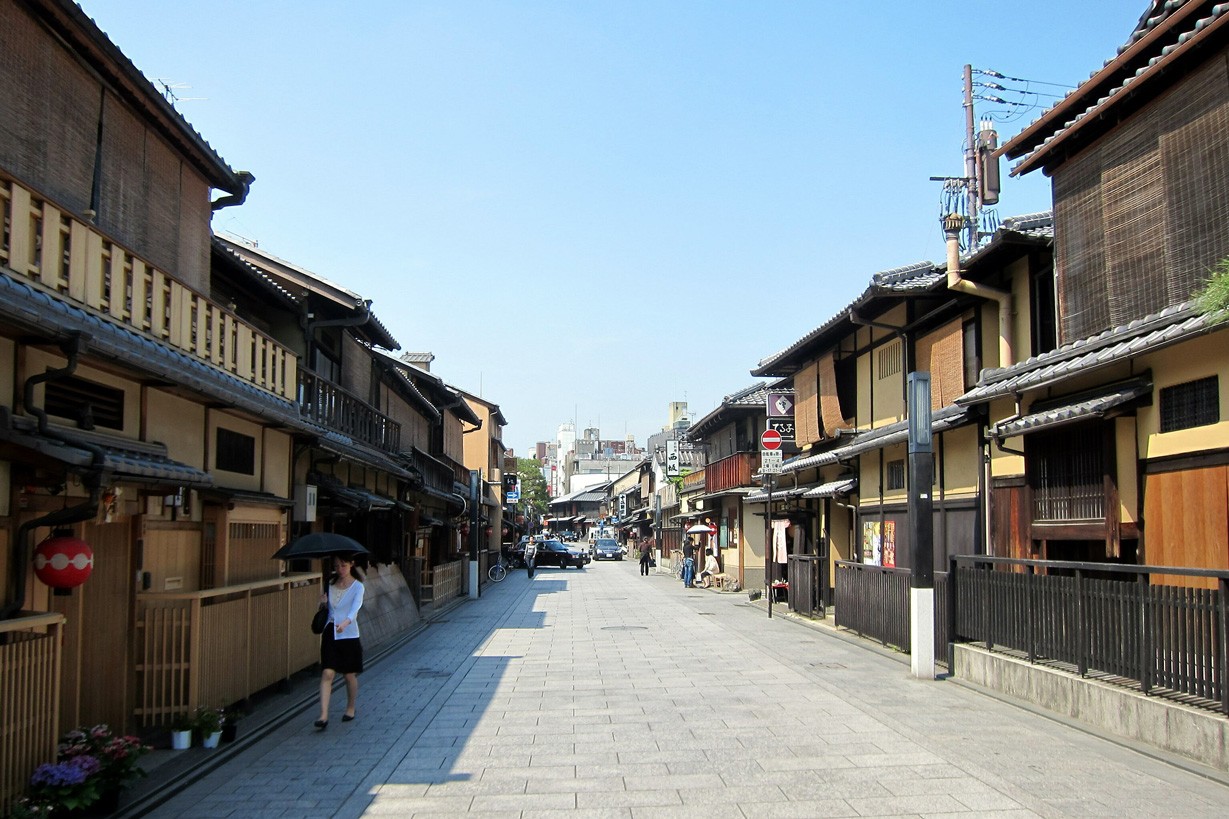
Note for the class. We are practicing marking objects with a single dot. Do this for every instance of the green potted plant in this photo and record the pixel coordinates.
(209, 726)
(93, 765)
(181, 731)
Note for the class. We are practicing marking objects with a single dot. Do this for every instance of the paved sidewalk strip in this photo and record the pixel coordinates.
(599, 692)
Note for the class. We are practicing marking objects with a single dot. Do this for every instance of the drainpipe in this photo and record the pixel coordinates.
(246, 178)
(310, 326)
(953, 223)
(92, 479)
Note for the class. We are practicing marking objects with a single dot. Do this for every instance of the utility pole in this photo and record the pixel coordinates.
(970, 160)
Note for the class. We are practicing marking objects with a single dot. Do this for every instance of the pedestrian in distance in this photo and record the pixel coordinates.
(341, 651)
(531, 551)
(646, 555)
(689, 562)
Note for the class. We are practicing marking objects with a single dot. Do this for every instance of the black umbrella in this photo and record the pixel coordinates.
(320, 544)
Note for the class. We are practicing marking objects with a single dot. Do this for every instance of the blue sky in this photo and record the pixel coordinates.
(587, 210)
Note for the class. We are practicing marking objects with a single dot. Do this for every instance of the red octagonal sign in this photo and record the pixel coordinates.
(770, 439)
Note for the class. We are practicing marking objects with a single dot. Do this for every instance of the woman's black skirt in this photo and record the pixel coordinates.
(343, 656)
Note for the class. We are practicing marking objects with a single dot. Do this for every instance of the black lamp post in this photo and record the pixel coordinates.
(921, 529)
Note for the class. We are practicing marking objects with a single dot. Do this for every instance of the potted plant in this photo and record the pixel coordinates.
(181, 731)
(209, 726)
(93, 766)
(230, 724)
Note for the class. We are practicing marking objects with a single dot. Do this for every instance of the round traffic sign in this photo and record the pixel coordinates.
(770, 439)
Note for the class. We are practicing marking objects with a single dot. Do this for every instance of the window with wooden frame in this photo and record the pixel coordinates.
(1043, 306)
(235, 452)
(971, 344)
(1190, 404)
(889, 359)
(86, 402)
(1066, 472)
(895, 478)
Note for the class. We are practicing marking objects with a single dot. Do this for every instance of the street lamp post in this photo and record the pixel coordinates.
(921, 529)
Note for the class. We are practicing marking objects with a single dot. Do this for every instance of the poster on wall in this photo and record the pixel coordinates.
(879, 543)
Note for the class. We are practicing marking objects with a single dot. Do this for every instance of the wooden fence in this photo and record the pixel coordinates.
(1100, 618)
(216, 647)
(30, 655)
(447, 581)
(806, 590)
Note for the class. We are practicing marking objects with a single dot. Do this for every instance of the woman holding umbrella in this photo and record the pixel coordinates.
(341, 652)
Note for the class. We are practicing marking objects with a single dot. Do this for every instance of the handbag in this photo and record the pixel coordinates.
(320, 620)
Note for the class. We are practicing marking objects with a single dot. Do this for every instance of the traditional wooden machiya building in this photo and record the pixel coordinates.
(846, 491)
(1113, 445)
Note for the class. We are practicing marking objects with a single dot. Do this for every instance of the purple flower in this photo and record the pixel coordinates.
(59, 775)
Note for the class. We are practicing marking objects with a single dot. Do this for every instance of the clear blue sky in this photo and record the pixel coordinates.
(587, 210)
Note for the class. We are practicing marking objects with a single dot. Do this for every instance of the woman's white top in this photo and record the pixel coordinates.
(344, 605)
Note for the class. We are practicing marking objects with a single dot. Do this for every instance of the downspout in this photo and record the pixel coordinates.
(92, 479)
(953, 223)
(246, 178)
(309, 326)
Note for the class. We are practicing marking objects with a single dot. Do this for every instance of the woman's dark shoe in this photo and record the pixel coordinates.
(321, 724)
(347, 717)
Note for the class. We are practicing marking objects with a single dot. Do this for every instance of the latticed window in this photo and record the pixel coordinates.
(1066, 471)
(896, 474)
(1192, 404)
(889, 359)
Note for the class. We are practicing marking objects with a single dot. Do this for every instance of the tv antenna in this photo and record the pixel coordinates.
(171, 89)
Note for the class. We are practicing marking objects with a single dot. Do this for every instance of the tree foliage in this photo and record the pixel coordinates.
(533, 486)
(1213, 298)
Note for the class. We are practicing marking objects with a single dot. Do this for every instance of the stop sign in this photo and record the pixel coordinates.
(770, 439)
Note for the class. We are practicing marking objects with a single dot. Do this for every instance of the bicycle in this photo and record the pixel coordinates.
(497, 572)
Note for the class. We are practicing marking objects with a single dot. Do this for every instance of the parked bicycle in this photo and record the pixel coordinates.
(497, 572)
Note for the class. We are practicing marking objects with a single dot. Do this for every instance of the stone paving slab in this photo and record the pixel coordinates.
(601, 693)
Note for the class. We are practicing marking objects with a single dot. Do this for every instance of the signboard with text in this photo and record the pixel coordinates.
(672, 458)
(770, 461)
(779, 407)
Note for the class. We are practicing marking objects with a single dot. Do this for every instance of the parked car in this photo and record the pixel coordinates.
(607, 548)
(554, 553)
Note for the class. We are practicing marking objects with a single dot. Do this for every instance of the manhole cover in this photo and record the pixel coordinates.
(625, 628)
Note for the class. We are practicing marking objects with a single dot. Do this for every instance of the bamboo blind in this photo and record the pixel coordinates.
(941, 353)
(807, 428)
(829, 402)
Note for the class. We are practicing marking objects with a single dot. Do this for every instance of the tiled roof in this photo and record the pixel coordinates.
(911, 278)
(896, 433)
(833, 488)
(1183, 35)
(1094, 404)
(752, 397)
(1171, 325)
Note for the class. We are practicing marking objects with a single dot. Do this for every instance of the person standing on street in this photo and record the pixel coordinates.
(531, 551)
(341, 651)
(646, 555)
(689, 562)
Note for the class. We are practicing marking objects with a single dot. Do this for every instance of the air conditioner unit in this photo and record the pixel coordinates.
(305, 503)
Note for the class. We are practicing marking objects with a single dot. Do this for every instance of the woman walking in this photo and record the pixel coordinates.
(646, 555)
(341, 652)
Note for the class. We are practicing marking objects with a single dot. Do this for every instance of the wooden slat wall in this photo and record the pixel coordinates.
(213, 648)
(29, 700)
(1186, 519)
(83, 265)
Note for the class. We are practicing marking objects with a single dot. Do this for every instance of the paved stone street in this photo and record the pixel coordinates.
(602, 693)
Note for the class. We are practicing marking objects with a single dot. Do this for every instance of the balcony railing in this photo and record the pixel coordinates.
(731, 471)
(692, 481)
(215, 647)
(30, 646)
(80, 264)
(332, 406)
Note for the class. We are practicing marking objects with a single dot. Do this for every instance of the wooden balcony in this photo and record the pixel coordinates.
(30, 655)
(79, 264)
(692, 482)
(731, 472)
(332, 406)
(215, 647)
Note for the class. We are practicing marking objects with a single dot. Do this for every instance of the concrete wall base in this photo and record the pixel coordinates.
(1192, 733)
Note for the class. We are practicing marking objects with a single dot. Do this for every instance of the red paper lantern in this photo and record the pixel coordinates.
(63, 561)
